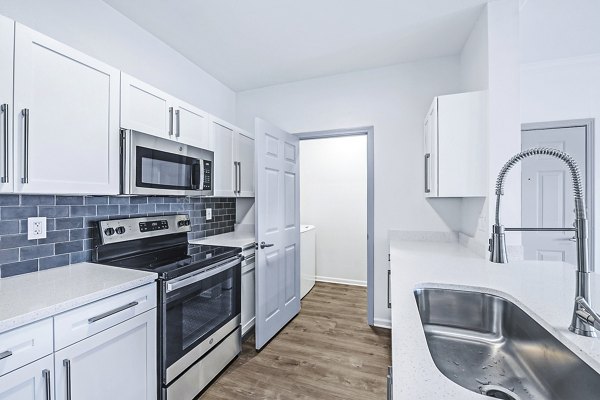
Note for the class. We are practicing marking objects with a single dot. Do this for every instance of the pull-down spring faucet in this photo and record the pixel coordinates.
(583, 320)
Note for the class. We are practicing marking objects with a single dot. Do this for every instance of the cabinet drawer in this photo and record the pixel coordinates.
(25, 344)
(80, 323)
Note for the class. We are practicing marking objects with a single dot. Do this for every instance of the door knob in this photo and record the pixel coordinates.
(263, 245)
(571, 239)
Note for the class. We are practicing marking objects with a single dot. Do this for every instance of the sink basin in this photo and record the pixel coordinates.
(488, 345)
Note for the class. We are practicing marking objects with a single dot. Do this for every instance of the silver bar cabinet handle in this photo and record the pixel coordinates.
(5, 354)
(389, 292)
(46, 375)
(67, 364)
(427, 158)
(4, 109)
(111, 312)
(178, 122)
(240, 180)
(235, 168)
(25, 113)
(170, 121)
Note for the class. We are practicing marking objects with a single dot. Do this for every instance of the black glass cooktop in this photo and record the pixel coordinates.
(173, 261)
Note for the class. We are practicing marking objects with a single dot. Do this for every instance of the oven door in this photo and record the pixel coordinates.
(199, 311)
(153, 165)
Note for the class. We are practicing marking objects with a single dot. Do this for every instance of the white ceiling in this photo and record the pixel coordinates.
(251, 44)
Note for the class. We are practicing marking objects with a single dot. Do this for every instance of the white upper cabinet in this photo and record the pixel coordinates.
(244, 154)
(191, 125)
(145, 108)
(154, 112)
(224, 168)
(234, 160)
(66, 116)
(7, 31)
(455, 137)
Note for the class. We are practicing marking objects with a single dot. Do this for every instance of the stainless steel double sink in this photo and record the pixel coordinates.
(490, 346)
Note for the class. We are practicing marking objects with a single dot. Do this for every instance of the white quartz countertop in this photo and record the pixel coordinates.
(34, 296)
(545, 290)
(237, 238)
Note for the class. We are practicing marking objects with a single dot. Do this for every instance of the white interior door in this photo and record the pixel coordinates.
(547, 199)
(278, 227)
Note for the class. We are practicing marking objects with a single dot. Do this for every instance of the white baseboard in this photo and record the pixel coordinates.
(382, 323)
(340, 281)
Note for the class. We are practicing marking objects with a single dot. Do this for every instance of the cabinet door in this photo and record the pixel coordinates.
(224, 169)
(191, 125)
(462, 131)
(68, 142)
(118, 363)
(145, 108)
(430, 185)
(34, 381)
(248, 307)
(245, 159)
(7, 31)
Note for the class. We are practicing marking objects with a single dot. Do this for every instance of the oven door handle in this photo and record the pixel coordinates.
(191, 279)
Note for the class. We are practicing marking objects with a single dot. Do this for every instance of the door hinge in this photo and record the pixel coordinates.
(389, 257)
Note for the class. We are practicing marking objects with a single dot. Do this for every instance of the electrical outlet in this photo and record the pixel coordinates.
(36, 228)
(208, 214)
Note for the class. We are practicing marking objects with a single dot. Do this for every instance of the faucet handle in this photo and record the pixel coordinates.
(586, 313)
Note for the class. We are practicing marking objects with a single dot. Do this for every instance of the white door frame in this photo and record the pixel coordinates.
(588, 124)
(369, 131)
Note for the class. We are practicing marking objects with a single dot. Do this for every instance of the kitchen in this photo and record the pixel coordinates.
(131, 139)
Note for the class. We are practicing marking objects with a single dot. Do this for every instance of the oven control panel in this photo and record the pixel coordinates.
(146, 226)
(121, 230)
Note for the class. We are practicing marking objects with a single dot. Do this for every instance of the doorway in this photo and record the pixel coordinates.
(336, 196)
(546, 189)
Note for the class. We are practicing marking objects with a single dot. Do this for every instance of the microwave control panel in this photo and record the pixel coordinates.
(207, 178)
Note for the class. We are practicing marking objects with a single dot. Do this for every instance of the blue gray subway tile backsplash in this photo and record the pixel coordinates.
(72, 225)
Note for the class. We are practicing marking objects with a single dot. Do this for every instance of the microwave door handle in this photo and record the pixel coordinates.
(196, 173)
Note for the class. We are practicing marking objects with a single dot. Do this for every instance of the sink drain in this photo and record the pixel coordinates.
(498, 392)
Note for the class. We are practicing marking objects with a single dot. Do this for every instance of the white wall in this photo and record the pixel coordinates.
(490, 60)
(552, 29)
(562, 90)
(560, 79)
(504, 120)
(394, 100)
(95, 28)
(333, 197)
(474, 75)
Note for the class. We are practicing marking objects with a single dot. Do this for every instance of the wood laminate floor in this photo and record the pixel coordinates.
(327, 352)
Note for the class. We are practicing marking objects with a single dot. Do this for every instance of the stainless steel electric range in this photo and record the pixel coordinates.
(199, 297)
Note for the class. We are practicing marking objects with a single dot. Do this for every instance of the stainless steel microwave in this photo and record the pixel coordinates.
(152, 165)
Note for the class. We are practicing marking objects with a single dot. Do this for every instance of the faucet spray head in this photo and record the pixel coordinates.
(498, 245)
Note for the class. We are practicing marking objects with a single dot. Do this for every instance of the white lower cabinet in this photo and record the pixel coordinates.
(34, 381)
(118, 363)
(115, 358)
